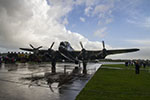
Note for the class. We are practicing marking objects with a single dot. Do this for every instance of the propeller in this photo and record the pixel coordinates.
(103, 53)
(35, 50)
(50, 48)
(83, 52)
(52, 45)
(81, 45)
(51, 52)
(103, 44)
(39, 47)
(31, 46)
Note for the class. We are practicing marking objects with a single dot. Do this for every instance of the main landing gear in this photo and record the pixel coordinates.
(84, 63)
(84, 67)
(53, 68)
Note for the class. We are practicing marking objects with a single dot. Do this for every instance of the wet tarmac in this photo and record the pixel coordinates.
(13, 86)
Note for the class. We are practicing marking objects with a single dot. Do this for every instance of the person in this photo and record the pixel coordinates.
(126, 63)
(137, 67)
(144, 64)
(0, 60)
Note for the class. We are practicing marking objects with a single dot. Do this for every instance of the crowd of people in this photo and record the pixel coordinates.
(12, 57)
(142, 63)
(138, 64)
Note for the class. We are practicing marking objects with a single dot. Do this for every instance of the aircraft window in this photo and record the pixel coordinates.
(62, 43)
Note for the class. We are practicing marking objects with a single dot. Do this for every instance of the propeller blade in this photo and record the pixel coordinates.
(31, 46)
(82, 52)
(81, 45)
(39, 47)
(52, 45)
(103, 44)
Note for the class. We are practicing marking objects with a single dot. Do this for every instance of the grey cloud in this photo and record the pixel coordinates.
(23, 22)
(13, 14)
(15, 8)
(34, 21)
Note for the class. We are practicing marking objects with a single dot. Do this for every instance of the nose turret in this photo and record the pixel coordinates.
(65, 46)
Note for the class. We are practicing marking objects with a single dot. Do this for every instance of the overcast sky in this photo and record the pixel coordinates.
(120, 23)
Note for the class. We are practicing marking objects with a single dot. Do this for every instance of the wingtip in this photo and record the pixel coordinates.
(137, 49)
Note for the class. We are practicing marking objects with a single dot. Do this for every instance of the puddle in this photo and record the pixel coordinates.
(13, 87)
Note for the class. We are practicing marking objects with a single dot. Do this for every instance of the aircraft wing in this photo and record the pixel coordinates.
(31, 50)
(109, 52)
(118, 51)
(26, 49)
(100, 54)
(90, 54)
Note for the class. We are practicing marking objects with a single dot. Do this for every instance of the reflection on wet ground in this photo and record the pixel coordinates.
(15, 86)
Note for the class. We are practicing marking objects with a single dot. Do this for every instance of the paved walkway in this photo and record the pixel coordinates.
(12, 87)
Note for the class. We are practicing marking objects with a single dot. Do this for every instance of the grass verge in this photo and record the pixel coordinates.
(117, 84)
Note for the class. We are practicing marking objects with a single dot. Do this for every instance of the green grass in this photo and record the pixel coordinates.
(116, 65)
(114, 84)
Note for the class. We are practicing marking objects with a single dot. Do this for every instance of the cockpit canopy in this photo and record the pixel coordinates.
(65, 46)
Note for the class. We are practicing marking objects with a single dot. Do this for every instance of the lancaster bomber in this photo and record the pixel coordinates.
(66, 52)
